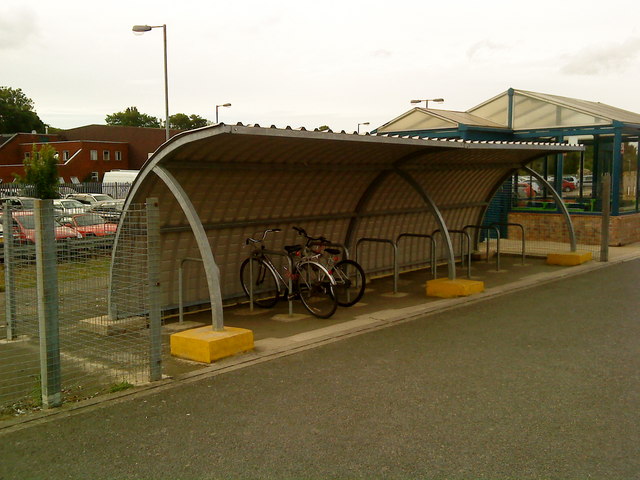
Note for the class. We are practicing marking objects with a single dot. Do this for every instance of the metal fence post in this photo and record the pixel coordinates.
(47, 292)
(153, 278)
(9, 273)
(606, 215)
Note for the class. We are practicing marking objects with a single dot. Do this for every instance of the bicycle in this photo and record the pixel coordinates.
(310, 280)
(348, 274)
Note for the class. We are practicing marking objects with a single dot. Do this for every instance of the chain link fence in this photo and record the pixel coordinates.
(58, 342)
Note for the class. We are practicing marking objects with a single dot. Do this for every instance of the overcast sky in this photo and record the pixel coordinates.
(302, 63)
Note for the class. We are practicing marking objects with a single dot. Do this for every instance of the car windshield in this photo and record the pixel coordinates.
(88, 220)
(27, 221)
(71, 204)
(102, 198)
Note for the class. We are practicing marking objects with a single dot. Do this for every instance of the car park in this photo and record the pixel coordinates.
(24, 228)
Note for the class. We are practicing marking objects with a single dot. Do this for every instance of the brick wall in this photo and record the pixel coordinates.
(623, 229)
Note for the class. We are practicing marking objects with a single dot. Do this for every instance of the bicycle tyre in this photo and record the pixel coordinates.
(265, 285)
(313, 284)
(350, 282)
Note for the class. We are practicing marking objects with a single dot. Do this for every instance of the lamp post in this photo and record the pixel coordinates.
(427, 100)
(221, 105)
(147, 28)
(363, 123)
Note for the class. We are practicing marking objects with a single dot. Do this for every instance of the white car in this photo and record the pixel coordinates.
(68, 206)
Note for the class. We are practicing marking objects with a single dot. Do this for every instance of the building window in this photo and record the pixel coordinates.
(118, 155)
(65, 155)
(95, 176)
(27, 155)
(106, 155)
(94, 154)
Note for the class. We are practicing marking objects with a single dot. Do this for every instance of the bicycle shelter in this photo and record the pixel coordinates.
(218, 185)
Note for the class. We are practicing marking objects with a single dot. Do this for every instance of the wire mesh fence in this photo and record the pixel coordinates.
(55, 320)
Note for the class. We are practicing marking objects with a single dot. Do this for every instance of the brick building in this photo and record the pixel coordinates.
(84, 153)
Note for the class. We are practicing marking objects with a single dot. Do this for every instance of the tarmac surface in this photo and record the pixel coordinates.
(537, 378)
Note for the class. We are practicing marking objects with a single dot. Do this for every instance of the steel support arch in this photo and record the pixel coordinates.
(211, 269)
(560, 203)
(437, 215)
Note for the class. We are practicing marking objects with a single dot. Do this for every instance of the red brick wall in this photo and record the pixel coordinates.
(623, 229)
(142, 141)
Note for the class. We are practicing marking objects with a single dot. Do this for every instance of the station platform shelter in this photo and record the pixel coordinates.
(610, 139)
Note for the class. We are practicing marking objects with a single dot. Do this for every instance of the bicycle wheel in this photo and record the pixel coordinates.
(265, 284)
(350, 282)
(315, 290)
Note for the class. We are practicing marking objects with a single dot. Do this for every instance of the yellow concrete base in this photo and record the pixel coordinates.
(206, 345)
(568, 259)
(445, 288)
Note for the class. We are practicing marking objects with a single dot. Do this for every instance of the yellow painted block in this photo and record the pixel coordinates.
(568, 259)
(445, 288)
(205, 345)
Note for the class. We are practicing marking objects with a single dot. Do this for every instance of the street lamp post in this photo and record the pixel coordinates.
(221, 105)
(363, 123)
(427, 100)
(147, 28)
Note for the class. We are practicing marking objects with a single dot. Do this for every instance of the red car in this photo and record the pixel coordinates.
(24, 228)
(90, 225)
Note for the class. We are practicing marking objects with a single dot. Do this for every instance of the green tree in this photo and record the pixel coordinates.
(41, 172)
(131, 117)
(16, 112)
(182, 121)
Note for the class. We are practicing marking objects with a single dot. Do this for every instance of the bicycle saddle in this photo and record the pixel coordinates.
(292, 248)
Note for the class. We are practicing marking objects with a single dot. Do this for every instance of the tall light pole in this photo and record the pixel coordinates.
(147, 28)
(427, 100)
(221, 105)
(363, 123)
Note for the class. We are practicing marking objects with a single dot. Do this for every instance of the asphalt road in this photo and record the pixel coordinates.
(542, 383)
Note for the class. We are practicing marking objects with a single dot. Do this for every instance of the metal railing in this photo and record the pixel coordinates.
(394, 246)
(485, 227)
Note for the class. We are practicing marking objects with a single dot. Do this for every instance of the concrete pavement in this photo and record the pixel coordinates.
(536, 382)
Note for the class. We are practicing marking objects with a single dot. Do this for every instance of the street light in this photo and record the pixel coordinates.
(147, 28)
(427, 100)
(363, 123)
(221, 105)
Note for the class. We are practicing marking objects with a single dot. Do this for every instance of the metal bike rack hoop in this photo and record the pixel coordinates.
(395, 256)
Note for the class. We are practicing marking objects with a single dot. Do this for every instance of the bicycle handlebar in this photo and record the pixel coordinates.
(302, 232)
(250, 240)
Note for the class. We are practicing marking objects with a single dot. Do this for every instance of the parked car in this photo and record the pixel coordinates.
(90, 225)
(111, 211)
(23, 203)
(24, 228)
(91, 199)
(525, 190)
(68, 206)
(568, 186)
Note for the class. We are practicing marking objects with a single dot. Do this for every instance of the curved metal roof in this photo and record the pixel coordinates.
(238, 180)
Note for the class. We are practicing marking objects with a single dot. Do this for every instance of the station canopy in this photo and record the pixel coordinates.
(218, 185)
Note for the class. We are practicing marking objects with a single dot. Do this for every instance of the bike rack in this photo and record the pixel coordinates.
(484, 227)
(395, 256)
(271, 252)
(433, 248)
(466, 235)
(510, 224)
(180, 293)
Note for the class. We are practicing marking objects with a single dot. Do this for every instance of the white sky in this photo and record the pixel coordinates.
(303, 63)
